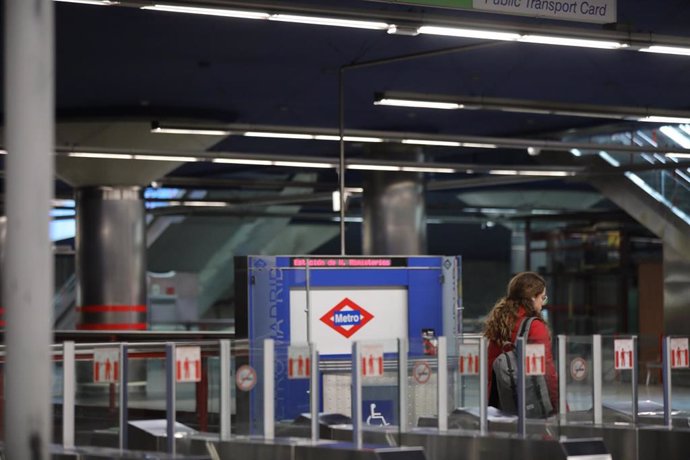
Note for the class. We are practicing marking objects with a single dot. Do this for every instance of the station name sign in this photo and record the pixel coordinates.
(594, 11)
(349, 262)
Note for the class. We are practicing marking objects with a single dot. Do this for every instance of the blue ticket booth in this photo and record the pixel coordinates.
(332, 301)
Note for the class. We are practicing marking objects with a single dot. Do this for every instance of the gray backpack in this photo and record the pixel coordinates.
(537, 401)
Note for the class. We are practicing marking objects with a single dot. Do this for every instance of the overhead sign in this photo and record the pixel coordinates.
(106, 365)
(299, 366)
(468, 359)
(596, 11)
(679, 353)
(623, 349)
(372, 360)
(188, 364)
(535, 359)
(348, 262)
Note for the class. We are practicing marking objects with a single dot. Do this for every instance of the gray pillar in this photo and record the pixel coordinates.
(394, 217)
(111, 258)
(28, 273)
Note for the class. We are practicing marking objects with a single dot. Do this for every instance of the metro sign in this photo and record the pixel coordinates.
(346, 318)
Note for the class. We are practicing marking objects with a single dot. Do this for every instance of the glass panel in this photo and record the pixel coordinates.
(56, 394)
(96, 399)
(422, 394)
(292, 371)
(617, 385)
(463, 376)
(680, 380)
(579, 380)
(380, 389)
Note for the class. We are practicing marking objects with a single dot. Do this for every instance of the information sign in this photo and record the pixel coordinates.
(187, 364)
(535, 359)
(468, 359)
(106, 365)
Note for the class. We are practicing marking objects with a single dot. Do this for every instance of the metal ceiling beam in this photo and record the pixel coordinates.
(412, 19)
(397, 136)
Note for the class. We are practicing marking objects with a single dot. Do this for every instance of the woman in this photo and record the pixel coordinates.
(525, 298)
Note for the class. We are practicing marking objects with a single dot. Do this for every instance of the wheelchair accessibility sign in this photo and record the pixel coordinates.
(377, 413)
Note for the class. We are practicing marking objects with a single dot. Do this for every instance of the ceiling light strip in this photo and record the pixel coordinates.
(222, 12)
(404, 23)
(324, 21)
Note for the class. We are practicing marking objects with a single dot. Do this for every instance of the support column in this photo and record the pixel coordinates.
(394, 216)
(111, 258)
(28, 273)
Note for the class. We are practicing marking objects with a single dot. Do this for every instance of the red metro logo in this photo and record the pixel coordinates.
(346, 318)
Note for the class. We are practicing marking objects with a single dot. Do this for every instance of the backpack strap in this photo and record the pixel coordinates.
(524, 328)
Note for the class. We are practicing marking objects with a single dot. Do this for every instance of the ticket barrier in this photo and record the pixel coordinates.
(240, 448)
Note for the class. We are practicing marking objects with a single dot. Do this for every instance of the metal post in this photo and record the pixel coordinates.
(269, 389)
(314, 397)
(597, 366)
(522, 413)
(356, 395)
(634, 378)
(341, 163)
(170, 395)
(124, 395)
(225, 387)
(403, 349)
(28, 274)
(442, 355)
(483, 386)
(68, 387)
(562, 376)
(308, 300)
(666, 368)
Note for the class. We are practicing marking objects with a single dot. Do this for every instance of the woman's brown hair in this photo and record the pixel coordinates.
(522, 288)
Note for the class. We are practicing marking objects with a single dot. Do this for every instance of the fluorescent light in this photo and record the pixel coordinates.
(374, 167)
(678, 155)
(576, 152)
(200, 131)
(609, 159)
(241, 161)
(329, 21)
(662, 119)
(564, 41)
(90, 2)
(677, 50)
(479, 145)
(212, 204)
(513, 172)
(362, 139)
(164, 158)
(468, 33)
(306, 136)
(419, 104)
(431, 142)
(427, 169)
(3, 152)
(301, 164)
(325, 137)
(113, 156)
(278, 135)
(209, 11)
(676, 135)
